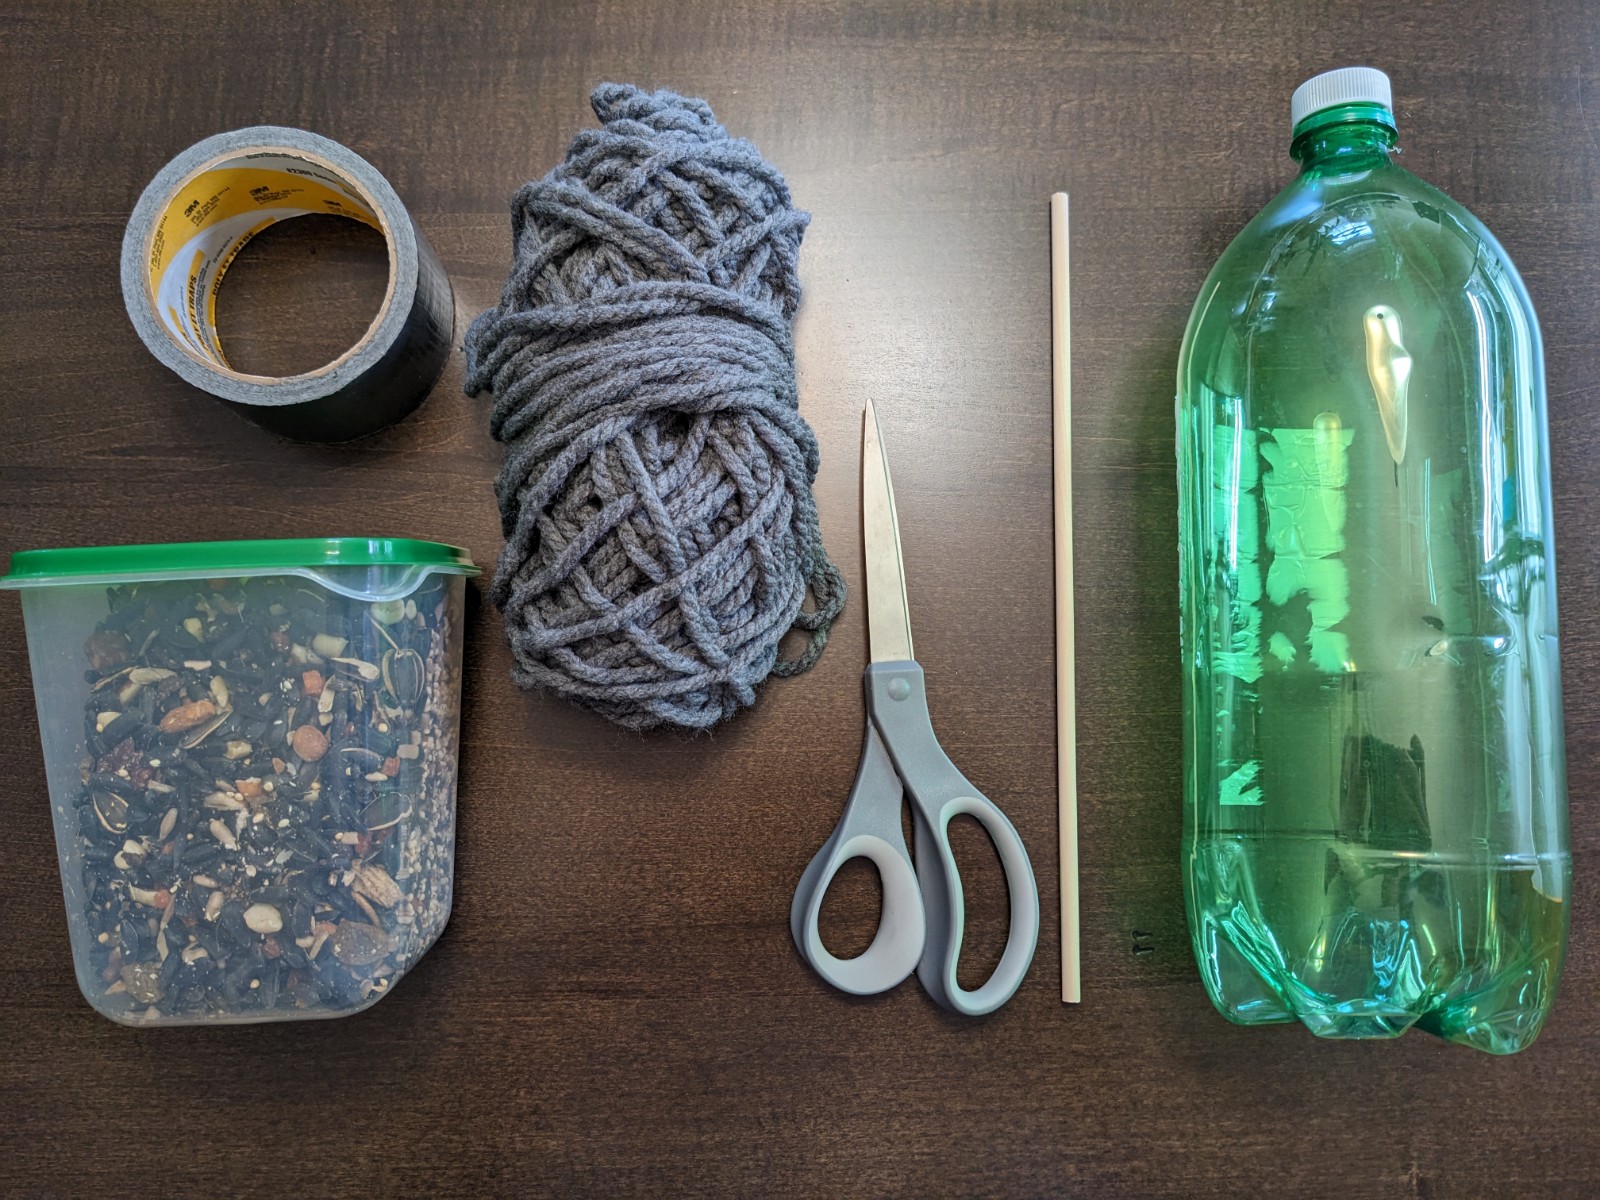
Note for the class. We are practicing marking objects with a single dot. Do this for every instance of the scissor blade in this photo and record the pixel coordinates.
(888, 623)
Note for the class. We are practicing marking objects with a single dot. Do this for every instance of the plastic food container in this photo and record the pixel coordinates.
(251, 752)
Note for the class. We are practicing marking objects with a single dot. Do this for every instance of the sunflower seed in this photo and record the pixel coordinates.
(402, 673)
(224, 835)
(106, 681)
(366, 671)
(111, 810)
(201, 732)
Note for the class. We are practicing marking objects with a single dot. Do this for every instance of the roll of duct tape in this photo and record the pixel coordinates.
(207, 203)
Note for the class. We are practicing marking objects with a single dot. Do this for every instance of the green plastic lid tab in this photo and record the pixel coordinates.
(41, 568)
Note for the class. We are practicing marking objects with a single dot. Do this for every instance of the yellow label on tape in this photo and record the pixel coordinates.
(207, 222)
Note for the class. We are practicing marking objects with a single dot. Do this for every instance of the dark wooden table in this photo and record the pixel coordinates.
(616, 1006)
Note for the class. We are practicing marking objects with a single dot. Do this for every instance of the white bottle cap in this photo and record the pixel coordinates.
(1347, 85)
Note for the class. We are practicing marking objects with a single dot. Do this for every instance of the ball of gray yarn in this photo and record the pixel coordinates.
(661, 535)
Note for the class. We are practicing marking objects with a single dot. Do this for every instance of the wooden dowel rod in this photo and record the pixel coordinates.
(1066, 641)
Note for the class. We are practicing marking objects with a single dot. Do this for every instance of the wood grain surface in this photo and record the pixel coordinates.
(616, 1007)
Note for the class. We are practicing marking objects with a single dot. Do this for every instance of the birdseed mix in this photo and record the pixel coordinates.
(266, 823)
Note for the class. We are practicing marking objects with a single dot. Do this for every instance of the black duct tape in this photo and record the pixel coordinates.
(212, 199)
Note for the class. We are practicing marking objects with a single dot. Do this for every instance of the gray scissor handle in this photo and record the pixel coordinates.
(870, 828)
(897, 703)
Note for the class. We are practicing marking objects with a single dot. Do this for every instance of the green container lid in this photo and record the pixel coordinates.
(85, 564)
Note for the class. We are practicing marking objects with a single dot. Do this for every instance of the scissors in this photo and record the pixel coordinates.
(923, 920)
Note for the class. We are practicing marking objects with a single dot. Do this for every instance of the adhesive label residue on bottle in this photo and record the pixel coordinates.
(1298, 477)
(1235, 479)
(1303, 490)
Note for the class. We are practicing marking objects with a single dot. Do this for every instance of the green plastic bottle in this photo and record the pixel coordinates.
(1375, 829)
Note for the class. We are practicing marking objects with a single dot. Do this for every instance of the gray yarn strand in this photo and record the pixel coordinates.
(661, 535)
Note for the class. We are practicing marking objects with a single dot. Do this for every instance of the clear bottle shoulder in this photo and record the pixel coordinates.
(1300, 277)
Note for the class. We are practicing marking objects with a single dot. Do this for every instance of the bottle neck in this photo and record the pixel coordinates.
(1343, 139)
